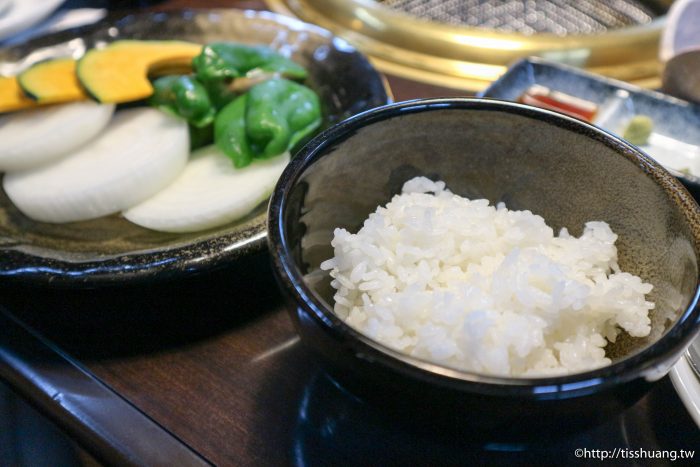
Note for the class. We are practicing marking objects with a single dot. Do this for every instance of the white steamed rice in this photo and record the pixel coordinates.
(484, 288)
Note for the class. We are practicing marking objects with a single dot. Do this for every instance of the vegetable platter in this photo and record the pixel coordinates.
(297, 75)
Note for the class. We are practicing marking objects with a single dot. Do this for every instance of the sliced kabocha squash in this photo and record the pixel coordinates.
(49, 82)
(11, 95)
(115, 74)
(119, 72)
(52, 81)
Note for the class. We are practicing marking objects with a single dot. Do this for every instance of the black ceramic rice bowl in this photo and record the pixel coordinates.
(565, 170)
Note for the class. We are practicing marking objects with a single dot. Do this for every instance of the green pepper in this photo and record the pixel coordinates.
(185, 97)
(229, 132)
(270, 119)
(201, 136)
(220, 93)
(224, 61)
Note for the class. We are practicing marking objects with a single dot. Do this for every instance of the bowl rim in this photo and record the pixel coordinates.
(649, 363)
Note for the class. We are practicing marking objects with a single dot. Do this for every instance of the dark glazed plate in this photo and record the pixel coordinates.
(111, 250)
(675, 139)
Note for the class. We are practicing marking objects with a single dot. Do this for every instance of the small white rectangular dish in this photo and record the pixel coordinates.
(675, 134)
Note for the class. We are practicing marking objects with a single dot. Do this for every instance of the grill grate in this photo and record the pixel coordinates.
(562, 17)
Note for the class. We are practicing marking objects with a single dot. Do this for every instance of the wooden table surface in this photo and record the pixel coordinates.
(215, 362)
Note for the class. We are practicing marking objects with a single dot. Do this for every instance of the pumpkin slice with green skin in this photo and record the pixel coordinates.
(119, 72)
(124, 80)
(11, 95)
(52, 81)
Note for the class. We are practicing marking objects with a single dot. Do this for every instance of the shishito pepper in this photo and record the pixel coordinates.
(230, 135)
(221, 63)
(268, 120)
(201, 136)
(184, 96)
(225, 60)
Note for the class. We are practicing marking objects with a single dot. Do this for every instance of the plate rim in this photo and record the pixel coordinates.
(25, 15)
(686, 383)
